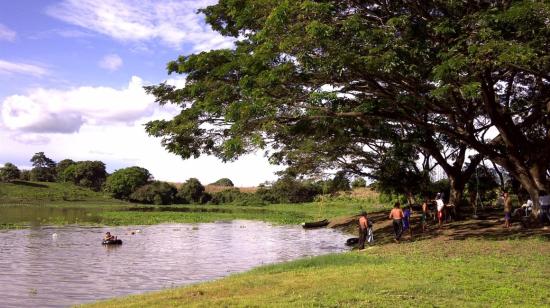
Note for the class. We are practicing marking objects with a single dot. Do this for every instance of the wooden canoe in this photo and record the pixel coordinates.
(315, 224)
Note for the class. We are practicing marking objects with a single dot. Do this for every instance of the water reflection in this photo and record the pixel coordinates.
(35, 215)
(40, 269)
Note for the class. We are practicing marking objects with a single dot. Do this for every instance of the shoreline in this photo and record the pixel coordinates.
(336, 279)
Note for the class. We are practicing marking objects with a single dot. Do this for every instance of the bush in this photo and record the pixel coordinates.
(155, 193)
(289, 190)
(123, 182)
(61, 166)
(359, 182)
(42, 174)
(191, 191)
(9, 172)
(90, 174)
(25, 175)
(340, 182)
(226, 196)
(223, 182)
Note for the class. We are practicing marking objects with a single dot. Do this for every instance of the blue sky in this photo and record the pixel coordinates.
(71, 77)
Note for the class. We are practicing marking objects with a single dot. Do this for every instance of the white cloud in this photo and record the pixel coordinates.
(7, 34)
(9, 68)
(65, 111)
(172, 22)
(104, 123)
(111, 62)
(120, 145)
(31, 139)
(63, 32)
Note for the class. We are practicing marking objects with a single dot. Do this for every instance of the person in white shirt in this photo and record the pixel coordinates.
(440, 207)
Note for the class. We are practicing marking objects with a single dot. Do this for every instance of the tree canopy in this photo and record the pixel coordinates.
(9, 172)
(124, 182)
(322, 76)
(223, 182)
(89, 174)
(43, 168)
(192, 191)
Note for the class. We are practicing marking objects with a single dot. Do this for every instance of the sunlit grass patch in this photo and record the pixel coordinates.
(467, 273)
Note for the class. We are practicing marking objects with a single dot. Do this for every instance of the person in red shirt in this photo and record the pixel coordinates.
(363, 228)
(397, 215)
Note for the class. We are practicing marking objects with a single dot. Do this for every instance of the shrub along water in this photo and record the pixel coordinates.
(155, 193)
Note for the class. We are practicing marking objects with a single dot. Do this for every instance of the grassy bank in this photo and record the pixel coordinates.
(23, 204)
(46, 193)
(424, 273)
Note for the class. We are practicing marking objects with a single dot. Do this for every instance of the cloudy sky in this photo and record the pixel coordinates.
(71, 77)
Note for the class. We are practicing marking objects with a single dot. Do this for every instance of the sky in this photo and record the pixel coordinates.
(71, 78)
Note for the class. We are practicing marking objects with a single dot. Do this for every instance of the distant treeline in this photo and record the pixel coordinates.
(137, 184)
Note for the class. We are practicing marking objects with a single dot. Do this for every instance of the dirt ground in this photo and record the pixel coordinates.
(488, 225)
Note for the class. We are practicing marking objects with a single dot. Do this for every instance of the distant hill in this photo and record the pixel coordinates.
(22, 192)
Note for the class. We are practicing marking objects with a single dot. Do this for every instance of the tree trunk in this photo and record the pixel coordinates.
(501, 178)
(457, 189)
(532, 180)
(533, 191)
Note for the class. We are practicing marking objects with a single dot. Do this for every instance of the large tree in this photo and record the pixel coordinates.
(475, 72)
(123, 182)
(43, 168)
(89, 174)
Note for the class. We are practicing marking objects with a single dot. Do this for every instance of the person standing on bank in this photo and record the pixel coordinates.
(440, 208)
(363, 229)
(425, 210)
(407, 212)
(397, 215)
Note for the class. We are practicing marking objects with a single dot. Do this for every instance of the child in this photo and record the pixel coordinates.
(407, 220)
(370, 233)
(440, 207)
(109, 237)
(424, 216)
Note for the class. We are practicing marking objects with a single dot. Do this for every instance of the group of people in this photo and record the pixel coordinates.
(401, 217)
(401, 220)
(526, 208)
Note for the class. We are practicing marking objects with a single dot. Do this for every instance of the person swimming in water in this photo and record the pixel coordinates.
(109, 237)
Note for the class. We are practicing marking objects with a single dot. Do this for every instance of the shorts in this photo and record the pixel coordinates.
(507, 216)
(423, 217)
(440, 214)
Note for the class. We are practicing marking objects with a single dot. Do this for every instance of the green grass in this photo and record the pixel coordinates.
(30, 203)
(45, 193)
(429, 273)
(275, 213)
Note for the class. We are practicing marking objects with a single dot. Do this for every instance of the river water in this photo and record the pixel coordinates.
(63, 266)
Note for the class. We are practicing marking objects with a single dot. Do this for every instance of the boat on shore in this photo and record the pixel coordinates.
(315, 224)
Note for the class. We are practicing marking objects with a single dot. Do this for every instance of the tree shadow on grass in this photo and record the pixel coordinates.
(24, 183)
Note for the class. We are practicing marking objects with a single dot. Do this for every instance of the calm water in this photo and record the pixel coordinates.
(40, 269)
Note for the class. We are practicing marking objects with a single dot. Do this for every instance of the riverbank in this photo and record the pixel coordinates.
(464, 263)
(473, 272)
(26, 204)
(93, 214)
